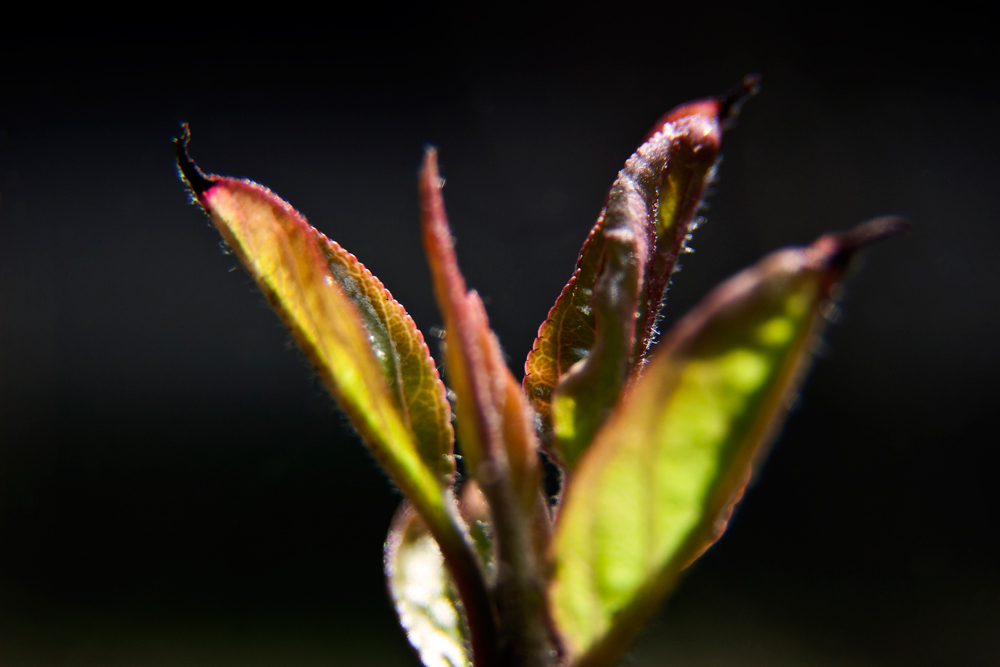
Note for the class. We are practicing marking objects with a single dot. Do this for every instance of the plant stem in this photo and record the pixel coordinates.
(519, 593)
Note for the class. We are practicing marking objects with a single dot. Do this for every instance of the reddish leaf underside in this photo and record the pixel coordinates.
(495, 431)
(599, 329)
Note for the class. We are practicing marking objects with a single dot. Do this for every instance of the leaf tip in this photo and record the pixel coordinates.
(196, 179)
(723, 109)
(732, 101)
(429, 165)
(837, 249)
(875, 230)
(429, 181)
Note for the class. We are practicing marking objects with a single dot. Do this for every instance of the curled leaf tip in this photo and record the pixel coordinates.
(196, 179)
(723, 109)
(732, 101)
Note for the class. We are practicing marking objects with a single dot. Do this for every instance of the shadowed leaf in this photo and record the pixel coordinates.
(659, 483)
(601, 326)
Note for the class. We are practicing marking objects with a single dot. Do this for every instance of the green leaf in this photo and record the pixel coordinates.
(424, 595)
(601, 326)
(368, 353)
(402, 354)
(366, 349)
(660, 481)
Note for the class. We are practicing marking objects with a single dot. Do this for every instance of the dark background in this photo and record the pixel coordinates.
(177, 488)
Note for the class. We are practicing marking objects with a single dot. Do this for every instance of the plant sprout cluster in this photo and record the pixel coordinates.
(654, 442)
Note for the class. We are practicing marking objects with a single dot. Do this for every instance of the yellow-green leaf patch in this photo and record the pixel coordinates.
(657, 486)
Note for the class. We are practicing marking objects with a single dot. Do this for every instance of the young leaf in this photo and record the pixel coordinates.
(365, 347)
(422, 589)
(495, 431)
(423, 594)
(658, 484)
(603, 322)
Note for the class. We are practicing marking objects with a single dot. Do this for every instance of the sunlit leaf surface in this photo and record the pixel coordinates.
(402, 354)
(603, 321)
(423, 594)
(364, 346)
(658, 484)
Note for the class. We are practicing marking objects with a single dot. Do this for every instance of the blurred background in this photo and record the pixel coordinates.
(176, 488)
